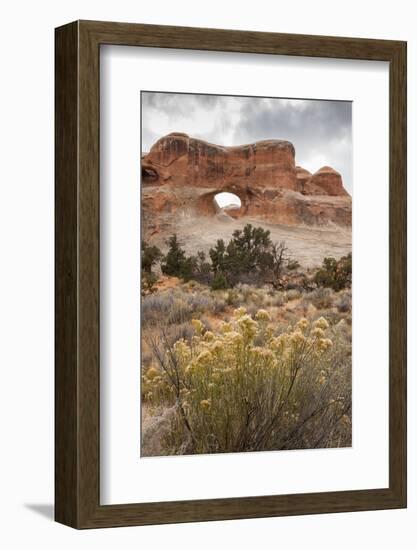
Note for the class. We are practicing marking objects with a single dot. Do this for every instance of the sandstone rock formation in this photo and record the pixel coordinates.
(181, 176)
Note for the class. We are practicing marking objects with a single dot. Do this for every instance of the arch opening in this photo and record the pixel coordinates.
(227, 201)
(149, 175)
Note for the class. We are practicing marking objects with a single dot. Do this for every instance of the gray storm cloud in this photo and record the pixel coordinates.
(321, 131)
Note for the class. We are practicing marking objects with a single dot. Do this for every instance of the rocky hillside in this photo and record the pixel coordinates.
(181, 176)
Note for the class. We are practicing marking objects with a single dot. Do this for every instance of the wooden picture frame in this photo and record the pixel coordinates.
(77, 374)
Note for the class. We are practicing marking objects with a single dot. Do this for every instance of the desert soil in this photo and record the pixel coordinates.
(306, 244)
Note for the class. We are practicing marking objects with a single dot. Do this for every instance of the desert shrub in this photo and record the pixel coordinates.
(184, 331)
(150, 255)
(335, 274)
(180, 312)
(293, 294)
(344, 302)
(251, 310)
(278, 299)
(199, 302)
(206, 323)
(149, 281)
(185, 306)
(192, 285)
(156, 307)
(249, 296)
(292, 265)
(219, 282)
(146, 358)
(155, 425)
(233, 297)
(220, 303)
(258, 297)
(243, 389)
(252, 278)
(245, 290)
(344, 330)
(321, 298)
(332, 315)
(174, 307)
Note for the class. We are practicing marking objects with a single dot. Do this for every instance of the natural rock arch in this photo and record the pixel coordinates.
(181, 175)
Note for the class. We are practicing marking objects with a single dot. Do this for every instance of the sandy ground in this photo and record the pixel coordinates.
(309, 245)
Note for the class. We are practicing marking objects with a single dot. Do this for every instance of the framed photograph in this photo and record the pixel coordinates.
(230, 274)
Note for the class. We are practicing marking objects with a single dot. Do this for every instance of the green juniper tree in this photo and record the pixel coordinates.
(150, 256)
(249, 254)
(335, 274)
(175, 263)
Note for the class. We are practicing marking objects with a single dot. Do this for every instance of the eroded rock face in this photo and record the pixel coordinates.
(184, 161)
(181, 176)
(303, 176)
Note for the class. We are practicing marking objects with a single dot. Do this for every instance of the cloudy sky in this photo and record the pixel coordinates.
(321, 131)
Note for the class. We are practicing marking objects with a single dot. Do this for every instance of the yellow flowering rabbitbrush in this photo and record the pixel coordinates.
(242, 387)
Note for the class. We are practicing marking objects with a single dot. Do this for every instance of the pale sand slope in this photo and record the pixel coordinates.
(307, 244)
